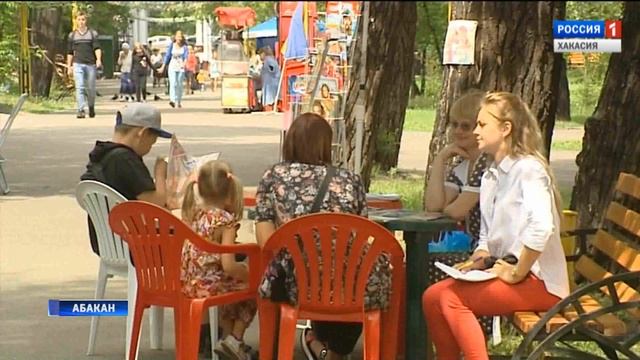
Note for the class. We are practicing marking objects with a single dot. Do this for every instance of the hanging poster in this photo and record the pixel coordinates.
(342, 18)
(459, 45)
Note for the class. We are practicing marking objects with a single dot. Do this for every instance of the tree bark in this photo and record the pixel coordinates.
(563, 112)
(513, 52)
(389, 71)
(423, 70)
(611, 140)
(45, 23)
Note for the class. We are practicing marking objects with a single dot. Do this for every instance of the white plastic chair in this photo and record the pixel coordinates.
(4, 186)
(97, 199)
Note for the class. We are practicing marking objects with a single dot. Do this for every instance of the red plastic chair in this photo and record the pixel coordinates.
(340, 298)
(155, 238)
(249, 199)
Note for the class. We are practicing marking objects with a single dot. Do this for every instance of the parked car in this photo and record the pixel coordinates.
(159, 42)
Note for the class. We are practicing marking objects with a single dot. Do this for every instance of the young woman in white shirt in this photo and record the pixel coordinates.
(520, 216)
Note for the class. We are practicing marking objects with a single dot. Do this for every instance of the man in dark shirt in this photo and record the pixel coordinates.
(118, 163)
(83, 57)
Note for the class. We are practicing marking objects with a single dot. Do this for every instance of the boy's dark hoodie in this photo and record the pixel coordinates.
(122, 169)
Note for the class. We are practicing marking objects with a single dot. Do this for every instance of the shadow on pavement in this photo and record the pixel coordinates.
(28, 333)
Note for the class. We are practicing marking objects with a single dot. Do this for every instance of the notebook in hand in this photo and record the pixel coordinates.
(473, 275)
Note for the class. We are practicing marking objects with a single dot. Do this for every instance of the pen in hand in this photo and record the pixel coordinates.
(467, 265)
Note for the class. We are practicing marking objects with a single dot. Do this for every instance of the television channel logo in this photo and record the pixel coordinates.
(603, 36)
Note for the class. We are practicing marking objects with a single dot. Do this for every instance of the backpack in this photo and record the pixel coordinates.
(73, 34)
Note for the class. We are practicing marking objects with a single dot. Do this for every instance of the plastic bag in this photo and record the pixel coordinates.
(451, 241)
(181, 170)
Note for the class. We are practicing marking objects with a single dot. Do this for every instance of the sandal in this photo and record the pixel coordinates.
(306, 347)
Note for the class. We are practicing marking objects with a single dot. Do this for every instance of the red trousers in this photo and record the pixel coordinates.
(450, 308)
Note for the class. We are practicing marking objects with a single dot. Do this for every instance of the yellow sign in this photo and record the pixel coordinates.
(235, 92)
(74, 13)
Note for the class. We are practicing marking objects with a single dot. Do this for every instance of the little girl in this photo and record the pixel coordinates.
(213, 207)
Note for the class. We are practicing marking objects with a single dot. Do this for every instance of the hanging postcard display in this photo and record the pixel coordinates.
(341, 18)
(459, 45)
(323, 87)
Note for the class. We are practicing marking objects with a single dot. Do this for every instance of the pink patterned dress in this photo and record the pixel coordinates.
(202, 273)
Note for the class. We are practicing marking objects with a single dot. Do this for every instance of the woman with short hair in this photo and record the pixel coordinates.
(455, 190)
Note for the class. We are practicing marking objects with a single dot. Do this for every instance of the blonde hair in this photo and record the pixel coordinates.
(467, 106)
(216, 184)
(525, 137)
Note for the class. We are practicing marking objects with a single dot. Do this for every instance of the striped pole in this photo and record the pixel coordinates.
(74, 12)
(25, 58)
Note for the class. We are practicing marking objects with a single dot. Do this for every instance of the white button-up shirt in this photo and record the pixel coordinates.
(517, 209)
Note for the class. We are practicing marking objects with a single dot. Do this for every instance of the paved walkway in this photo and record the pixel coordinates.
(44, 250)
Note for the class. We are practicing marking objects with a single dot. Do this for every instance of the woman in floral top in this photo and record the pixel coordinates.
(287, 191)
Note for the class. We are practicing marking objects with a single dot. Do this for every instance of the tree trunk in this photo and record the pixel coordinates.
(389, 72)
(513, 52)
(563, 112)
(44, 26)
(423, 70)
(610, 144)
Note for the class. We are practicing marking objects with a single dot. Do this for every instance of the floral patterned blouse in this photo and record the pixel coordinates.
(287, 191)
(202, 273)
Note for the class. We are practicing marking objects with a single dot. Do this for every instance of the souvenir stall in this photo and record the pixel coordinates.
(237, 87)
(264, 34)
(259, 37)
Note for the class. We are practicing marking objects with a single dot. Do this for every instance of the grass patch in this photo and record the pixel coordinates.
(37, 105)
(419, 120)
(577, 122)
(511, 341)
(570, 145)
(408, 185)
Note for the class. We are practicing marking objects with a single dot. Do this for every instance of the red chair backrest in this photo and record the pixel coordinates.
(344, 291)
(155, 238)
